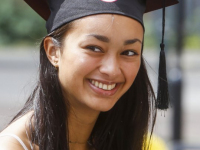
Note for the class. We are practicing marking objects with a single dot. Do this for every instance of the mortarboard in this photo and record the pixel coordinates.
(60, 12)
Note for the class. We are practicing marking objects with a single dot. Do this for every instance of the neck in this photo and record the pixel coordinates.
(80, 124)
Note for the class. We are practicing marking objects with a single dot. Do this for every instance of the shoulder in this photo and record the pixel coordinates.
(14, 137)
(9, 143)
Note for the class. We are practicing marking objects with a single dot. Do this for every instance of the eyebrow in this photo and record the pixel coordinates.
(106, 39)
(132, 41)
(100, 37)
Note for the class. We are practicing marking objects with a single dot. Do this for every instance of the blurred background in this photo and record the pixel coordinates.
(21, 31)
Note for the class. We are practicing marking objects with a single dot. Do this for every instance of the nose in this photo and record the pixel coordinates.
(110, 66)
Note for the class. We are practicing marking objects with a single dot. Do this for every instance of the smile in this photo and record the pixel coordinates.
(103, 86)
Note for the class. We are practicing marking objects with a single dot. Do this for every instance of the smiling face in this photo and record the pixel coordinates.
(99, 61)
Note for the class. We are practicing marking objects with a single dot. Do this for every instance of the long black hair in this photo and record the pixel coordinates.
(124, 127)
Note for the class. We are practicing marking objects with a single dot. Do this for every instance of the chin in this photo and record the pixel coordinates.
(103, 108)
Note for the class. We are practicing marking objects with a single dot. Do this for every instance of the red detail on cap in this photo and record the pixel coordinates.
(109, 1)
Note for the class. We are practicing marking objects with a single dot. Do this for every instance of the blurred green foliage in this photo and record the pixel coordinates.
(19, 24)
(193, 42)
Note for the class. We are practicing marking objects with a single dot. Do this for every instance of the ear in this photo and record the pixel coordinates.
(52, 52)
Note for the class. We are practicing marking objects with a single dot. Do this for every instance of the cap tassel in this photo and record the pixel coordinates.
(162, 93)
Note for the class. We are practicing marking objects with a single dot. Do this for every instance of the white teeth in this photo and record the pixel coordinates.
(93, 82)
(100, 85)
(103, 86)
(96, 83)
(113, 86)
(109, 87)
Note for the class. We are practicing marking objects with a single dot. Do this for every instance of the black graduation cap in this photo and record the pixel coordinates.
(60, 12)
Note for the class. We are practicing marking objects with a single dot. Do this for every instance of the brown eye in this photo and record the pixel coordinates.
(94, 48)
(129, 53)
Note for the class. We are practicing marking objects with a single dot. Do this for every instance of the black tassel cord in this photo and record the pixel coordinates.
(162, 92)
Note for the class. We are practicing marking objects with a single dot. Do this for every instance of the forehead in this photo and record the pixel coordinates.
(110, 24)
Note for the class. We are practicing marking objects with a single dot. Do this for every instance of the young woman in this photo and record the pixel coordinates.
(93, 91)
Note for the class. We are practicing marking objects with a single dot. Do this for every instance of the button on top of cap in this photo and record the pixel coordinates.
(109, 1)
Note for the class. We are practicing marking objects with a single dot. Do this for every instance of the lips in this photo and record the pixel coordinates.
(104, 88)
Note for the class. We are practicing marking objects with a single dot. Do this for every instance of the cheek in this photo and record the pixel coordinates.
(131, 72)
(77, 65)
(72, 71)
